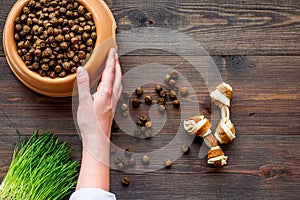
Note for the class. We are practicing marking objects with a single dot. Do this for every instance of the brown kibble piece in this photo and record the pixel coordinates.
(185, 149)
(139, 91)
(148, 100)
(184, 91)
(125, 181)
(125, 113)
(113, 150)
(26, 29)
(136, 103)
(167, 78)
(176, 103)
(58, 68)
(172, 82)
(160, 101)
(148, 134)
(66, 66)
(125, 164)
(148, 125)
(118, 159)
(174, 74)
(145, 160)
(143, 130)
(120, 166)
(143, 119)
(124, 107)
(158, 89)
(172, 95)
(128, 151)
(163, 94)
(62, 74)
(131, 161)
(140, 123)
(81, 54)
(168, 163)
(161, 108)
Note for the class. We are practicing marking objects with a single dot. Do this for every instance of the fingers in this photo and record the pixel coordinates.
(83, 85)
(118, 77)
(118, 82)
(108, 76)
(110, 88)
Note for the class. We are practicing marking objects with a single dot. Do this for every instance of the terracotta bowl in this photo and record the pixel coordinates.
(61, 87)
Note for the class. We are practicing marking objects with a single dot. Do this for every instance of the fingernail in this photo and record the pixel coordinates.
(116, 56)
(80, 71)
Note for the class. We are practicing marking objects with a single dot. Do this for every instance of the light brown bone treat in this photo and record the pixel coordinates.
(225, 131)
(226, 89)
(210, 140)
(200, 126)
(216, 157)
(222, 95)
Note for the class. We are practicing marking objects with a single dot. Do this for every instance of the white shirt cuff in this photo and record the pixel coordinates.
(92, 194)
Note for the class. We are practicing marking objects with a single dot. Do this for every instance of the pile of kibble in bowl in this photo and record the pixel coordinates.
(54, 37)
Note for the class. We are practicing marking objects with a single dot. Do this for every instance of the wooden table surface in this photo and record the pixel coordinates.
(256, 47)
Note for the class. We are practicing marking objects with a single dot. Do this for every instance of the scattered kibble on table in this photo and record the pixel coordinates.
(158, 89)
(125, 181)
(128, 151)
(172, 95)
(148, 100)
(185, 149)
(118, 159)
(139, 91)
(168, 163)
(145, 160)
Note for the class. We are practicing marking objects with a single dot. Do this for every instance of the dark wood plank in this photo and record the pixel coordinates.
(235, 27)
(258, 167)
(265, 100)
(27, 111)
(256, 48)
(263, 95)
(222, 28)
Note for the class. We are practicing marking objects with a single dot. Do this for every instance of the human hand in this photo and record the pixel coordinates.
(94, 117)
(95, 112)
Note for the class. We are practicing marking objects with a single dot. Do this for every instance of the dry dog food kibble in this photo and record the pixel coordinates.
(158, 89)
(148, 100)
(54, 37)
(146, 160)
(128, 151)
(139, 91)
(168, 163)
(185, 149)
(125, 181)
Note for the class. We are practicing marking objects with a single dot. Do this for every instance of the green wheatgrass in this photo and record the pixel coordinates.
(41, 168)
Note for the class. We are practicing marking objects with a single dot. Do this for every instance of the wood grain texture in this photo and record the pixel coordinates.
(255, 46)
(233, 27)
(223, 28)
(264, 101)
(258, 168)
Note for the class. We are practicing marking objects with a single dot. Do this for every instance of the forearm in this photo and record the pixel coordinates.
(93, 173)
